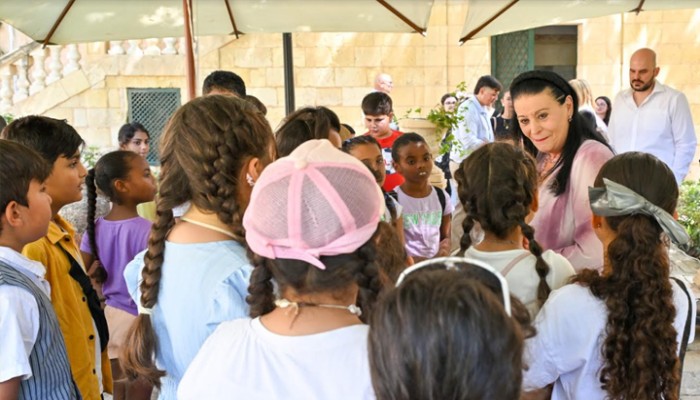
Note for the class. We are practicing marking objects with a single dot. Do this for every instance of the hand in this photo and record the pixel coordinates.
(97, 272)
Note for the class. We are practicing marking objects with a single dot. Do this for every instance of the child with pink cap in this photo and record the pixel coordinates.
(311, 222)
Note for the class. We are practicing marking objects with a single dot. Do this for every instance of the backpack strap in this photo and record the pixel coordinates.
(686, 330)
(441, 197)
(513, 263)
(93, 302)
(393, 194)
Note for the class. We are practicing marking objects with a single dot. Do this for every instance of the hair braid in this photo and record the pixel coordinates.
(261, 296)
(91, 208)
(541, 265)
(368, 279)
(205, 144)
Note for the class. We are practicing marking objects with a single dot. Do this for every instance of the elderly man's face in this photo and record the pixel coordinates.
(384, 84)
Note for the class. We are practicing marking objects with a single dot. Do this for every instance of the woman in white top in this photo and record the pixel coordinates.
(498, 189)
(310, 222)
(616, 334)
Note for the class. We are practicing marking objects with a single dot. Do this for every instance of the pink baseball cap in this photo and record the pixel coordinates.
(317, 201)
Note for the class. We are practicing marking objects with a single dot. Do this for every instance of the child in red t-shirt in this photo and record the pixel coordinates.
(378, 110)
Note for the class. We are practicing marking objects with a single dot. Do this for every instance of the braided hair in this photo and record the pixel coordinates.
(206, 144)
(497, 187)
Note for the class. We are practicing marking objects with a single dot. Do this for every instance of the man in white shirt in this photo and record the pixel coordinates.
(475, 129)
(653, 118)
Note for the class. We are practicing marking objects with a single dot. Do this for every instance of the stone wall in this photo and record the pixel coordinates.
(337, 69)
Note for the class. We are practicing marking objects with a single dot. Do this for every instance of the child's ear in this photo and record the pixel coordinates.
(675, 215)
(255, 167)
(391, 115)
(12, 215)
(120, 186)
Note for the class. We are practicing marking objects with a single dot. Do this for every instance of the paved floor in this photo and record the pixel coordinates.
(690, 388)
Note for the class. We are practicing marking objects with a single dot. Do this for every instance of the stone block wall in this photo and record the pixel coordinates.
(606, 44)
(337, 69)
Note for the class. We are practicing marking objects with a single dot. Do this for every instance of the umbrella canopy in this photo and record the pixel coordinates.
(72, 21)
(494, 17)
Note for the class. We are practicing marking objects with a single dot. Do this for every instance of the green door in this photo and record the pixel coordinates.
(512, 54)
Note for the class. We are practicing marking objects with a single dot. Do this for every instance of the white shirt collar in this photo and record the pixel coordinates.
(32, 269)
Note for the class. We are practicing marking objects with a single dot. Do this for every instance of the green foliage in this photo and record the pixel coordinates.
(689, 212)
(90, 155)
(444, 120)
(8, 117)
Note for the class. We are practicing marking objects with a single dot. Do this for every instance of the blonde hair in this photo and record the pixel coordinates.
(583, 92)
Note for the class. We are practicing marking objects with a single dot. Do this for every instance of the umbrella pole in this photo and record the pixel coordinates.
(189, 54)
(288, 73)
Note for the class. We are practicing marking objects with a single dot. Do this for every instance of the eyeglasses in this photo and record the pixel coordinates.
(461, 263)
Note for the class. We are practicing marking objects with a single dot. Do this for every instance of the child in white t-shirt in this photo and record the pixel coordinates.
(304, 340)
(498, 189)
(427, 210)
(620, 333)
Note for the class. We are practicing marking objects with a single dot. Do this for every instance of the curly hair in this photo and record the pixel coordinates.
(342, 271)
(206, 144)
(640, 346)
(497, 185)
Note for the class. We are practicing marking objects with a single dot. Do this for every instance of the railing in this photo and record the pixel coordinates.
(28, 70)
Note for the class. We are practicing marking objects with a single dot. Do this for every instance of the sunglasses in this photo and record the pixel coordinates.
(461, 263)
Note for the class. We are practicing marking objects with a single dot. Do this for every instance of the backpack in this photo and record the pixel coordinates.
(440, 194)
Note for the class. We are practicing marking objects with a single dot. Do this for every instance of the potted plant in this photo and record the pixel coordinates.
(434, 126)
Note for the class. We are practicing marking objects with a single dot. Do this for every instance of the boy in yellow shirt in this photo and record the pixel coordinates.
(77, 306)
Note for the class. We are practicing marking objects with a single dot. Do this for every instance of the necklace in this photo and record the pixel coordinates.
(210, 227)
(294, 306)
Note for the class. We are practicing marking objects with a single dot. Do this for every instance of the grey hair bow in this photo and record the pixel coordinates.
(614, 200)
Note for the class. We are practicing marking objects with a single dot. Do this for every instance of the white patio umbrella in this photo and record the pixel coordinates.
(74, 21)
(494, 17)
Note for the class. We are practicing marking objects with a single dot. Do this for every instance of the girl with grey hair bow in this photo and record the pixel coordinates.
(616, 334)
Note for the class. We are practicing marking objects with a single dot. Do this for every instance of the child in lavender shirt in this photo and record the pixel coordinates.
(427, 214)
(110, 243)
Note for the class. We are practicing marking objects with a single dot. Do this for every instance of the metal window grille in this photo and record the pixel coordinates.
(512, 54)
(152, 108)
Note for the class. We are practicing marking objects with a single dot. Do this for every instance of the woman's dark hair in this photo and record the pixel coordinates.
(355, 141)
(434, 335)
(127, 132)
(497, 185)
(203, 150)
(536, 82)
(303, 125)
(639, 352)
(606, 119)
(110, 167)
(342, 271)
(445, 97)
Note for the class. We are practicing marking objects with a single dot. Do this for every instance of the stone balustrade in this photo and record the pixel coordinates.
(30, 69)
